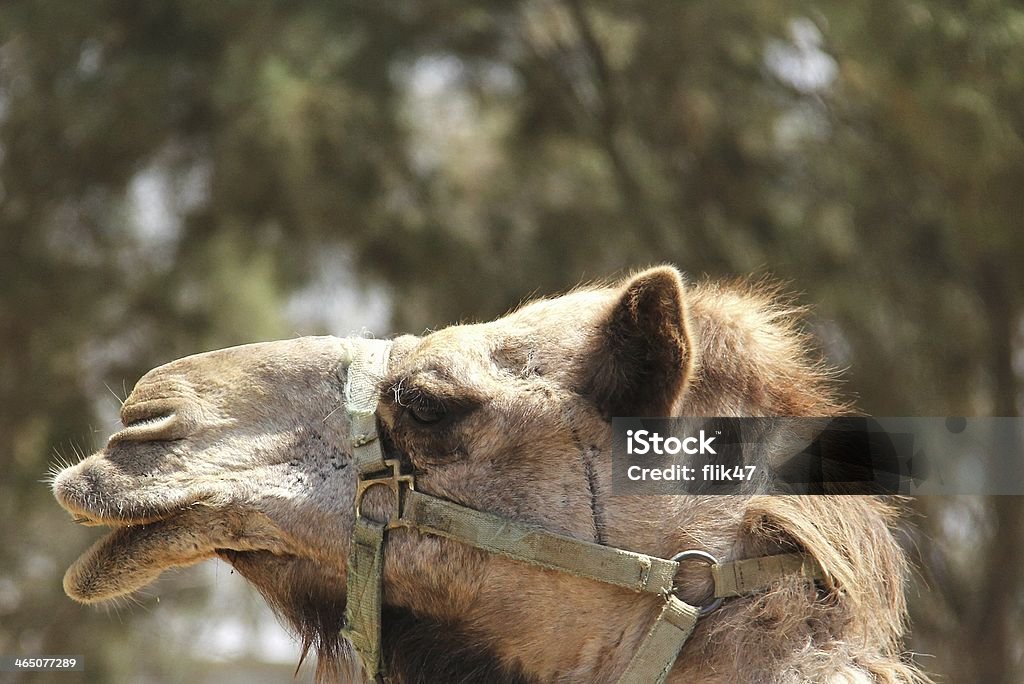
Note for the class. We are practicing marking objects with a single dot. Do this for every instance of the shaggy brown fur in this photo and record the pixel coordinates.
(244, 457)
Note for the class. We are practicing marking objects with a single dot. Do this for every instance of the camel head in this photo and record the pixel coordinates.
(229, 452)
(244, 454)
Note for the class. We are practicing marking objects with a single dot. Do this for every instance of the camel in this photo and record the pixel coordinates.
(247, 454)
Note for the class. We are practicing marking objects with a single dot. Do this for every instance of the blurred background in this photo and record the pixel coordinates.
(183, 175)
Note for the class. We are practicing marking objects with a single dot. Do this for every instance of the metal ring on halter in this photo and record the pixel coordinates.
(695, 554)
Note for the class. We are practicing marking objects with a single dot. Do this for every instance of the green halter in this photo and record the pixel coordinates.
(427, 514)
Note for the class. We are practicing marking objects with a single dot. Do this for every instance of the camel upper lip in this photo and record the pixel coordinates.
(118, 517)
(118, 492)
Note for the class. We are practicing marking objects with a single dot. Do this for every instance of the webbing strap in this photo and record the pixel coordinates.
(365, 582)
(740, 577)
(530, 544)
(369, 363)
(658, 651)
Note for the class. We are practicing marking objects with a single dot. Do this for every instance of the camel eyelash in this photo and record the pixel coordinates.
(405, 395)
(426, 407)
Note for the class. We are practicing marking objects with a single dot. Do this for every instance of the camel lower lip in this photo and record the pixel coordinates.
(133, 555)
(77, 495)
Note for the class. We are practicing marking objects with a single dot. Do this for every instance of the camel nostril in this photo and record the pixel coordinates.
(147, 409)
(149, 421)
(138, 422)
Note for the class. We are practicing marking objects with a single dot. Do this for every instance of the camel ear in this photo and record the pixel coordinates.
(643, 352)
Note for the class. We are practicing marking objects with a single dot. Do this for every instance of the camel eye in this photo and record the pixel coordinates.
(427, 413)
(423, 407)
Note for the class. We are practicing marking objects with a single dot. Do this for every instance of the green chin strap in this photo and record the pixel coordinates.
(427, 514)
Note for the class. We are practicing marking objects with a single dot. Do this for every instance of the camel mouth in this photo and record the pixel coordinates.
(131, 556)
(148, 534)
(155, 524)
(135, 552)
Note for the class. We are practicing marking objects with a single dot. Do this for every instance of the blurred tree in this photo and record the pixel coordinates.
(172, 173)
(930, 116)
